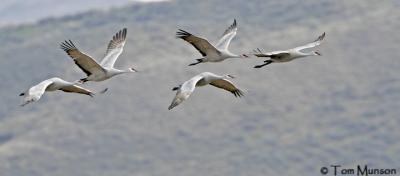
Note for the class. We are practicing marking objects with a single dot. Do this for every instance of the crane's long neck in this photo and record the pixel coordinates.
(310, 54)
(227, 76)
(115, 72)
(231, 55)
(304, 54)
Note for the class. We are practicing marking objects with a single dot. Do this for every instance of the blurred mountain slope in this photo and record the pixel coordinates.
(21, 11)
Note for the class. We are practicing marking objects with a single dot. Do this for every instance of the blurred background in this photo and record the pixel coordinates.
(340, 108)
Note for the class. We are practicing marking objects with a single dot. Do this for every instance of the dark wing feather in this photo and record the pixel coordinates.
(114, 48)
(227, 85)
(230, 28)
(272, 55)
(83, 61)
(77, 89)
(117, 40)
(202, 45)
(315, 43)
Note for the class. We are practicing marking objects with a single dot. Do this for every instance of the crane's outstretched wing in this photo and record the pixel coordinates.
(228, 35)
(83, 61)
(312, 44)
(35, 93)
(77, 89)
(227, 85)
(184, 90)
(201, 44)
(114, 49)
(273, 54)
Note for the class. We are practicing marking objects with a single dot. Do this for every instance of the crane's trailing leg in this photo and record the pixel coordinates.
(198, 62)
(262, 65)
(83, 80)
(176, 88)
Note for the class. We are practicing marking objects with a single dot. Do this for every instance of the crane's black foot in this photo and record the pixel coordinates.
(83, 80)
(194, 63)
(259, 66)
(198, 62)
(265, 63)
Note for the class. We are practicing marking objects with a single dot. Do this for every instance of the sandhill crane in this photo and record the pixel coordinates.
(185, 90)
(94, 70)
(212, 53)
(34, 93)
(288, 55)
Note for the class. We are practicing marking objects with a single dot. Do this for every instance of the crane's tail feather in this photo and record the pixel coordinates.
(102, 91)
(99, 92)
(175, 88)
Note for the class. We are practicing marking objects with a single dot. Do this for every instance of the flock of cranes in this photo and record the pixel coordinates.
(210, 53)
